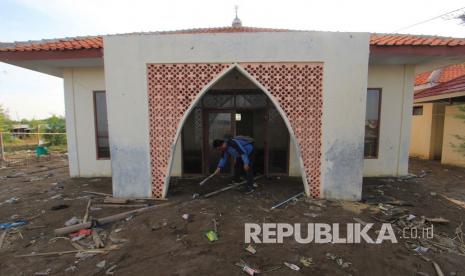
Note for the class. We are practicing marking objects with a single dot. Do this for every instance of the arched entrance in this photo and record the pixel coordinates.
(292, 89)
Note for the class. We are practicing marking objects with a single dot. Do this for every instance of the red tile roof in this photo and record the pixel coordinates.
(447, 73)
(414, 40)
(96, 42)
(455, 85)
(422, 78)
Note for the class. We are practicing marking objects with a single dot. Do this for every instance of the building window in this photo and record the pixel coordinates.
(417, 110)
(101, 125)
(372, 123)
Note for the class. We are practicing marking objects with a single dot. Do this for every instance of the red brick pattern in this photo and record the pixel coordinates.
(298, 87)
(171, 90)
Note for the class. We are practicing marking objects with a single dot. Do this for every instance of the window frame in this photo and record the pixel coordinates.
(380, 101)
(94, 96)
(417, 107)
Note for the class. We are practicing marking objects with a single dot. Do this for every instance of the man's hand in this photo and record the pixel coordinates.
(246, 168)
(217, 171)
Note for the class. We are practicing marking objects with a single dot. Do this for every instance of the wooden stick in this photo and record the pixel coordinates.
(86, 215)
(438, 269)
(120, 205)
(94, 251)
(105, 220)
(97, 193)
(2, 237)
(206, 179)
(229, 187)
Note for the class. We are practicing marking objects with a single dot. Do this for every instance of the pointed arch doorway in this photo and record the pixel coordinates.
(293, 90)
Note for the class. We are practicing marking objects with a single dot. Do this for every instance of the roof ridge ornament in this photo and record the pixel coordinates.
(236, 22)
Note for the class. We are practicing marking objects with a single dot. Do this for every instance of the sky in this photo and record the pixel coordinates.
(28, 94)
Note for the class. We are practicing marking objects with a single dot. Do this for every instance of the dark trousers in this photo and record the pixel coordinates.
(239, 170)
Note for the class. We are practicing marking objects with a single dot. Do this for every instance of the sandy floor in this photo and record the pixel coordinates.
(161, 242)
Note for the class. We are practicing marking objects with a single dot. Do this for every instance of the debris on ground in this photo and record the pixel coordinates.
(292, 266)
(307, 262)
(8, 225)
(292, 198)
(59, 207)
(247, 268)
(250, 249)
(338, 260)
(101, 264)
(211, 235)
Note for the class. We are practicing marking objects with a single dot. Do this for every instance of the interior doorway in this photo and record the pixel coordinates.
(222, 114)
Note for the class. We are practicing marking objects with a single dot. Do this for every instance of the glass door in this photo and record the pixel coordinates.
(219, 125)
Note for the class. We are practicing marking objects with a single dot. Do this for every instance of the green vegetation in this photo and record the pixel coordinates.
(53, 124)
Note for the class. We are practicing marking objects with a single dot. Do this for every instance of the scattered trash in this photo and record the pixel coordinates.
(186, 216)
(433, 194)
(195, 196)
(250, 249)
(43, 273)
(72, 268)
(421, 249)
(211, 235)
(293, 198)
(307, 262)
(117, 230)
(407, 177)
(338, 260)
(292, 266)
(110, 271)
(72, 221)
(95, 208)
(80, 234)
(312, 215)
(58, 196)
(101, 264)
(247, 269)
(8, 225)
(59, 207)
(11, 200)
(410, 217)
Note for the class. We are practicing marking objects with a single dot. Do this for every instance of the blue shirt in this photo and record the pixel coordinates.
(236, 148)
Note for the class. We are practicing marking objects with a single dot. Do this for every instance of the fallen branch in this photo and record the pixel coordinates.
(229, 187)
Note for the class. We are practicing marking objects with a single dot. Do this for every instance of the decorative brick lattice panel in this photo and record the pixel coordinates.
(298, 87)
(171, 90)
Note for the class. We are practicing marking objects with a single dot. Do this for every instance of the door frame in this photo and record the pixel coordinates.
(206, 147)
(206, 137)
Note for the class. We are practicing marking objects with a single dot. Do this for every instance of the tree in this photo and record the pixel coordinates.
(5, 122)
(55, 124)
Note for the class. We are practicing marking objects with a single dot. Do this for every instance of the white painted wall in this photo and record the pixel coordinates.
(345, 58)
(79, 84)
(396, 82)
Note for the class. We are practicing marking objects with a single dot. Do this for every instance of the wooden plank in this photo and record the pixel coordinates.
(86, 215)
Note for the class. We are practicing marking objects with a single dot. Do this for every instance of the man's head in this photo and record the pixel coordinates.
(220, 145)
